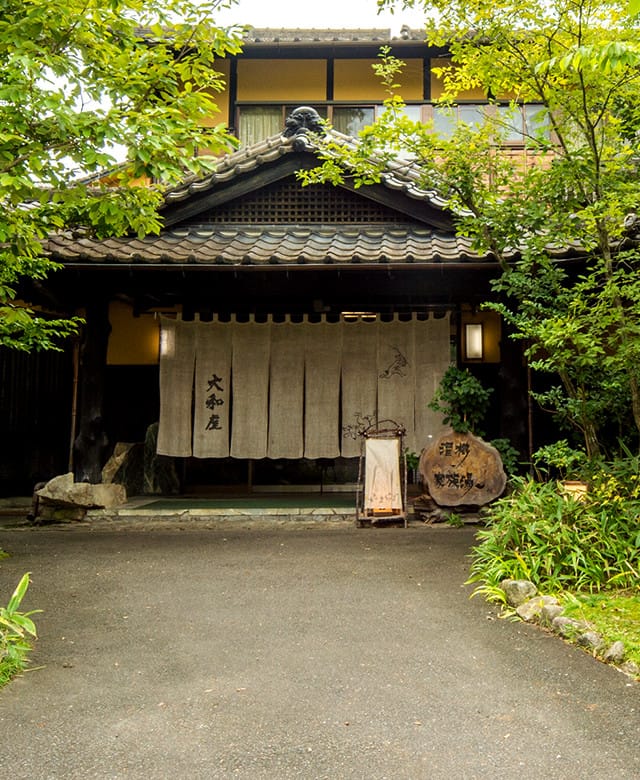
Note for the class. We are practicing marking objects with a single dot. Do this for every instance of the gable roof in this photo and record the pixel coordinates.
(279, 156)
(189, 237)
(424, 235)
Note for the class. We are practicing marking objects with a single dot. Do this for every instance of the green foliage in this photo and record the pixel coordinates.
(579, 62)
(586, 331)
(560, 459)
(462, 400)
(15, 629)
(455, 520)
(79, 81)
(495, 595)
(540, 534)
(412, 459)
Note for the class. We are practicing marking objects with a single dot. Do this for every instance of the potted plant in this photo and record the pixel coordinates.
(566, 463)
(412, 459)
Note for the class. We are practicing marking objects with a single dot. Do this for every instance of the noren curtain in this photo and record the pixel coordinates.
(291, 390)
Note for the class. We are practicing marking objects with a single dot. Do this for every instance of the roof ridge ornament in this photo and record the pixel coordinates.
(302, 121)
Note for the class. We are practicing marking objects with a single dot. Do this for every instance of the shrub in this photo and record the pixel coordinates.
(462, 400)
(559, 543)
(509, 455)
(560, 459)
(15, 629)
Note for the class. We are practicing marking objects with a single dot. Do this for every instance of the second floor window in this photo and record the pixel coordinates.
(257, 122)
(515, 124)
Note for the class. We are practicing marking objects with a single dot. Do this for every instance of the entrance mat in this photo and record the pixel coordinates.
(255, 502)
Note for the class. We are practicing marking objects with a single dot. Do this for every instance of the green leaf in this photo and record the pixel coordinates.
(150, 99)
(19, 593)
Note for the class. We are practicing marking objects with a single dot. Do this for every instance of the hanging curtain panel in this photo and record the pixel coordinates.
(212, 390)
(292, 390)
(286, 391)
(177, 361)
(323, 358)
(396, 375)
(433, 357)
(250, 383)
(359, 382)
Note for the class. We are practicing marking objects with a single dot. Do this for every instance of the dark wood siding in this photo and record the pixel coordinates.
(35, 418)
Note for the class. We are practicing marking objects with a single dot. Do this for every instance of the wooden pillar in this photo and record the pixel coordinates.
(91, 442)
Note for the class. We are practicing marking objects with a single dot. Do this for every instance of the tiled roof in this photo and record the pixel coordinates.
(344, 35)
(264, 245)
(399, 176)
(283, 245)
(267, 245)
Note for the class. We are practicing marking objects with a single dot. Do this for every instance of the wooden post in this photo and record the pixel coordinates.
(91, 443)
(514, 397)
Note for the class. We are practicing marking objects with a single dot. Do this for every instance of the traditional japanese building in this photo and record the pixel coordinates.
(268, 321)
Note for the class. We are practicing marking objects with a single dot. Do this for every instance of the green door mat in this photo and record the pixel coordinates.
(346, 501)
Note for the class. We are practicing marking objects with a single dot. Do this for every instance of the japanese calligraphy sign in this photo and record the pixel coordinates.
(460, 468)
(212, 391)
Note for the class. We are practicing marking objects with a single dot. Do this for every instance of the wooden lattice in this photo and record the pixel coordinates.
(288, 202)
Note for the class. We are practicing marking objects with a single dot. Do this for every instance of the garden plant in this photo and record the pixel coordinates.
(17, 629)
(586, 551)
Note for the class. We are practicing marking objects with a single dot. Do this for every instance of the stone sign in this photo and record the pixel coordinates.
(461, 469)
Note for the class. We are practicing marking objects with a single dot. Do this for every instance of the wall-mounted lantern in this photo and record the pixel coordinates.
(473, 341)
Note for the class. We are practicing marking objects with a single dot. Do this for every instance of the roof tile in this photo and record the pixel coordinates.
(206, 244)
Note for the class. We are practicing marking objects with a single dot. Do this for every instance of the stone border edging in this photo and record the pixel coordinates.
(546, 611)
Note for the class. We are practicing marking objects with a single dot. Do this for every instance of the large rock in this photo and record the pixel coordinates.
(532, 609)
(567, 627)
(126, 467)
(549, 613)
(615, 653)
(63, 491)
(518, 591)
(591, 641)
(462, 469)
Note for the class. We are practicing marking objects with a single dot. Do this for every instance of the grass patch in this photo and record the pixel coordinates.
(10, 668)
(615, 616)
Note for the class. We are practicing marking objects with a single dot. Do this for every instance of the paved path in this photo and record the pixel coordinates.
(294, 651)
